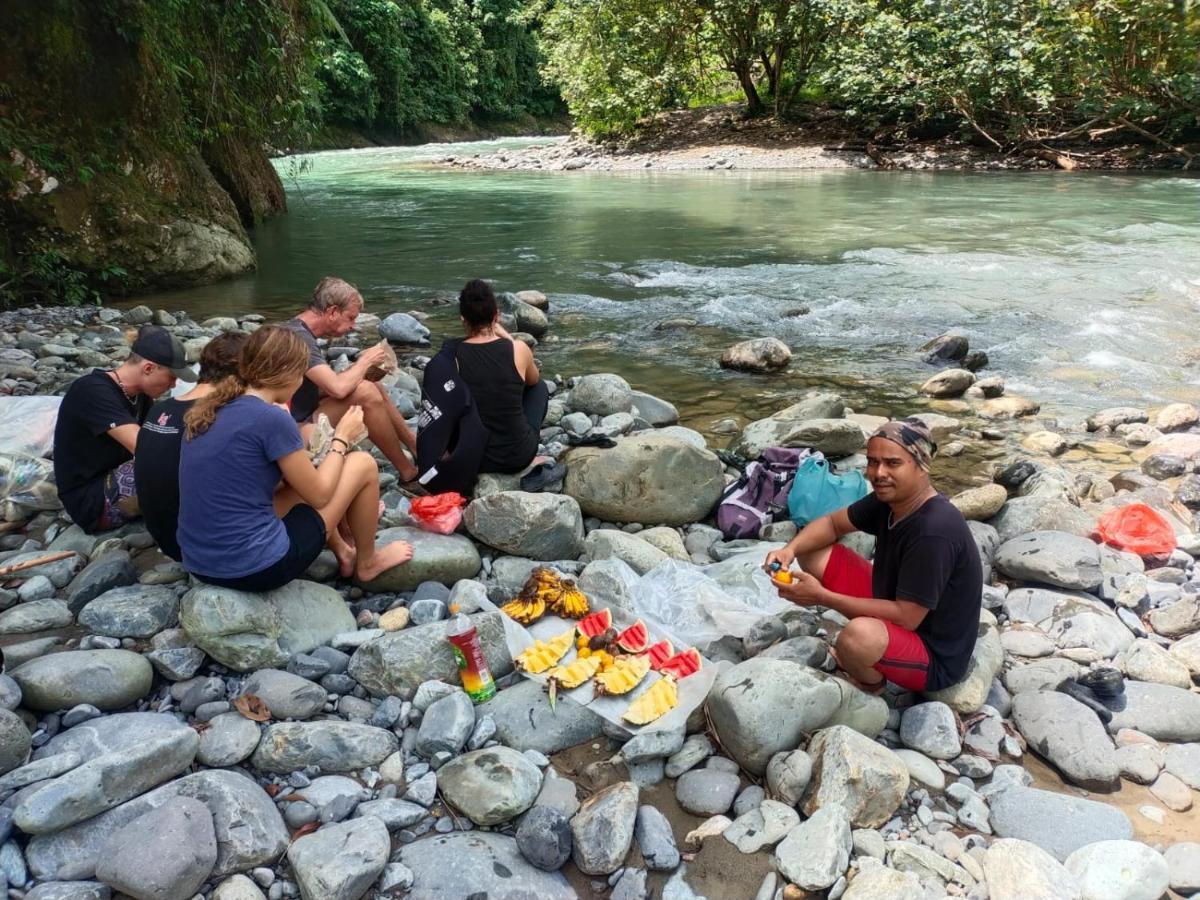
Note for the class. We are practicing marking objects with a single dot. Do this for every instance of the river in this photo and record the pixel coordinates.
(1082, 288)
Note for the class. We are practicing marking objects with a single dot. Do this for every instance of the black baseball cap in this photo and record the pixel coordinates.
(159, 346)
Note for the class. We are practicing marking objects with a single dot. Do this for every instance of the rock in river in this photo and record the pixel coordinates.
(1058, 823)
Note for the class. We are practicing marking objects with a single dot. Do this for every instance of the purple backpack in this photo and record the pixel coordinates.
(755, 499)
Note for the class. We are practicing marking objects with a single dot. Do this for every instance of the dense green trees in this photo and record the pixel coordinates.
(1008, 70)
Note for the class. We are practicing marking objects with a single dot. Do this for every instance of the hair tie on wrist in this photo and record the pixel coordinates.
(345, 442)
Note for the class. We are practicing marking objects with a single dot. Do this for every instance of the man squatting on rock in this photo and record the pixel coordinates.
(331, 313)
(914, 613)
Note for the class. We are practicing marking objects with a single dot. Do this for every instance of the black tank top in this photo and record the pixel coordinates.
(498, 389)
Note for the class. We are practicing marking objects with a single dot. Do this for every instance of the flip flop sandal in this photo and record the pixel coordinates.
(543, 476)
(591, 440)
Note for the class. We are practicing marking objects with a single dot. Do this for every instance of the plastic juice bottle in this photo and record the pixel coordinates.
(468, 653)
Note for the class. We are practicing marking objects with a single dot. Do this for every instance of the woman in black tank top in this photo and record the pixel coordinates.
(504, 381)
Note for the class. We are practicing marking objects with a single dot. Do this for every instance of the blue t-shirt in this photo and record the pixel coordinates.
(227, 480)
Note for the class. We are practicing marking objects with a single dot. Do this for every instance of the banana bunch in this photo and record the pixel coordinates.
(544, 654)
(623, 675)
(575, 673)
(524, 612)
(556, 594)
(657, 701)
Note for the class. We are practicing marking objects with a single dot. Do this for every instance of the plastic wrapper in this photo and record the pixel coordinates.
(1138, 529)
(321, 439)
(385, 371)
(27, 424)
(439, 513)
(28, 482)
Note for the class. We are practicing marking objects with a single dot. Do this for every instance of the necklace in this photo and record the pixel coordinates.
(891, 522)
(121, 385)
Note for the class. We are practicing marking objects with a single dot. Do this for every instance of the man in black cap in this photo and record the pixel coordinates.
(97, 429)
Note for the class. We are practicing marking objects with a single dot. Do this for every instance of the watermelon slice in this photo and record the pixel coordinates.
(681, 665)
(596, 623)
(660, 653)
(635, 638)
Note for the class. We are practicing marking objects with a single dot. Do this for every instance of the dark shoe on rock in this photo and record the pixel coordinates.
(1084, 695)
(543, 477)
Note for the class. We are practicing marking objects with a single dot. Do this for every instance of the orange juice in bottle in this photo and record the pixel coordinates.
(468, 653)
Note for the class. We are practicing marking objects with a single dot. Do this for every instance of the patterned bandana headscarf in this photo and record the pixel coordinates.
(913, 436)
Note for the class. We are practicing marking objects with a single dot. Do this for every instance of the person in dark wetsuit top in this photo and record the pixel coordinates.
(504, 381)
(156, 464)
(914, 613)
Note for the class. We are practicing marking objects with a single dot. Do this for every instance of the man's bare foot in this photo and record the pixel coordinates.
(384, 558)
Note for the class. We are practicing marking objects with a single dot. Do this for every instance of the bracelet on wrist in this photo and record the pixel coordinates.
(341, 453)
(345, 443)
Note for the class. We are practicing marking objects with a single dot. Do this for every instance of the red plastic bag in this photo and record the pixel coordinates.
(439, 513)
(1138, 529)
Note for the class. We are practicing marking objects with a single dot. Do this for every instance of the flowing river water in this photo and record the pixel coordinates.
(1083, 289)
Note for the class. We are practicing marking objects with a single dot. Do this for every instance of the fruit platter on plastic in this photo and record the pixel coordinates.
(604, 658)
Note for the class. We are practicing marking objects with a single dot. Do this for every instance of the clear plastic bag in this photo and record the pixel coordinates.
(28, 481)
(27, 424)
(321, 439)
(698, 604)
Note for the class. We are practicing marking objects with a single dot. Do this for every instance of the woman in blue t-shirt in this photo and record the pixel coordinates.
(237, 527)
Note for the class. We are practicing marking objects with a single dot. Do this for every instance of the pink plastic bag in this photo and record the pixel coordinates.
(1138, 529)
(439, 513)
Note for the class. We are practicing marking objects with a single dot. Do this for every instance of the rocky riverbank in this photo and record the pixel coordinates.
(722, 139)
(161, 738)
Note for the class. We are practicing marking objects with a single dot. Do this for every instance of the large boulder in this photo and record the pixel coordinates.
(1058, 823)
(986, 659)
(762, 706)
(1068, 734)
(490, 786)
(1122, 870)
(249, 829)
(525, 721)
(334, 745)
(1051, 557)
(397, 663)
(165, 854)
(862, 777)
(833, 437)
(538, 526)
(757, 355)
(486, 863)
(446, 558)
(608, 543)
(107, 679)
(1020, 870)
(816, 852)
(137, 611)
(769, 432)
(648, 477)
(1021, 515)
(1164, 712)
(247, 631)
(601, 395)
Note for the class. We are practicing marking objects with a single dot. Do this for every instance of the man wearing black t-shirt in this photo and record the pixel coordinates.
(914, 613)
(97, 429)
(156, 463)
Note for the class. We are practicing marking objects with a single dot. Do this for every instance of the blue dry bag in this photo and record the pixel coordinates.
(817, 490)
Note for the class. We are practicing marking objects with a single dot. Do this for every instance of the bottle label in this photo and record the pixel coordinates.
(473, 668)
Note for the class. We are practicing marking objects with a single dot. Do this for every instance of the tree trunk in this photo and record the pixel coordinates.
(754, 104)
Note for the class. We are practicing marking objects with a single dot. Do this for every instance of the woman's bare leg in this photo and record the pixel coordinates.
(286, 498)
(356, 498)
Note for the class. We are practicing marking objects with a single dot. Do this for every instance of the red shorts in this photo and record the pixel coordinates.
(905, 662)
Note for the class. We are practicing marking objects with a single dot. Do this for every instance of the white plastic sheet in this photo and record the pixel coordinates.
(27, 424)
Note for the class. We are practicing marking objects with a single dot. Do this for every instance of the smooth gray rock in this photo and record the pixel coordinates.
(15, 741)
(333, 745)
(762, 706)
(774, 430)
(177, 663)
(541, 526)
(762, 827)
(1040, 675)
(445, 558)
(788, 775)
(249, 829)
(986, 659)
(544, 838)
(1058, 823)
(1120, 870)
(1024, 515)
(137, 611)
(816, 852)
(106, 781)
(1183, 761)
(1069, 735)
(39, 770)
(73, 890)
(524, 720)
(655, 839)
(601, 395)
(650, 478)
(603, 829)
(108, 679)
(490, 786)
(446, 725)
(287, 696)
(59, 572)
(35, 615)
(656, 411)
(639, 555)
(397, 663)
(10, 693)
(1051, 557)
(402, 328)
(340, 861)
(164, 854)
(1019, 870)
(393, 813)
(488, 862)
(1183, 861)
(694, 751)
(707, 792)
(229, 739)
(866, 780)
(253, 631)
(930, 728)
(653, 744)
(1164, 712)
(112, 570)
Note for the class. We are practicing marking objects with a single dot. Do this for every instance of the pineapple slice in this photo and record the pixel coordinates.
(576, 673)
(657, 701)
(544, 654)
(623, 676)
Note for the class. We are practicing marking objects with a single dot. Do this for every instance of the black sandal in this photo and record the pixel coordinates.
(543, 476)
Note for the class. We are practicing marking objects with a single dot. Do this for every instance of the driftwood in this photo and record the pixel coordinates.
(884, 162)
(1061, 160)
(5, 571)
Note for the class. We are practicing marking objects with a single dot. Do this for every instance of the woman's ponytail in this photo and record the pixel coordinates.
(200, 417)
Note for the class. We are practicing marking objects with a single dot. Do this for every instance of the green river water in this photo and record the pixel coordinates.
(1082, 288)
